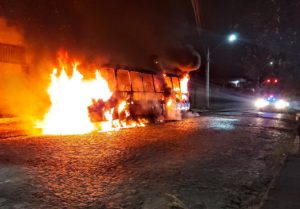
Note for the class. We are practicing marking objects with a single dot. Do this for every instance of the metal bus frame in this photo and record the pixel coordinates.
(144, 101)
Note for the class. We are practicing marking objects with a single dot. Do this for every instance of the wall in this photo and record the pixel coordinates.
(12, 65)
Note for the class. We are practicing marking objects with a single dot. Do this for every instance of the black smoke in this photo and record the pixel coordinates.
(181, 57)
(124, 32)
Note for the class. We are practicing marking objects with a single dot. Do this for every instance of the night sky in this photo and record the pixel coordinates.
(130, 32)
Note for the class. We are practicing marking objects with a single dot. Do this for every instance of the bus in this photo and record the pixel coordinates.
(148, 93)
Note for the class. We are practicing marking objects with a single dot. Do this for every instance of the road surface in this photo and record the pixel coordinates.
(213, 161)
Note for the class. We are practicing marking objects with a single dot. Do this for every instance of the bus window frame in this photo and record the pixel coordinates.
(170, 78)
(106, 77)
(150, 75)
(129, 79)
(159, 79)
(142, 80)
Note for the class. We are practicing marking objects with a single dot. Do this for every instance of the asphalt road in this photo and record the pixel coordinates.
(212, 161)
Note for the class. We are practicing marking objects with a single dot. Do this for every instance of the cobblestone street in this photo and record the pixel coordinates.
(220, 161)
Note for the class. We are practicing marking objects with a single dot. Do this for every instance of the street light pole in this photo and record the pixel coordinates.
(231, 39)
(207, 80)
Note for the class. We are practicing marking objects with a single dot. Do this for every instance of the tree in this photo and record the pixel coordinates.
(273, 46)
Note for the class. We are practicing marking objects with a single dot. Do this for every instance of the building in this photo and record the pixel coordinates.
(12, 64)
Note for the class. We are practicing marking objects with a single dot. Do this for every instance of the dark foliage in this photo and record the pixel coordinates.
(273, 48)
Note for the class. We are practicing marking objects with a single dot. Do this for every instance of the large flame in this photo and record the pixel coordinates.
(75, 101)
(70, 98)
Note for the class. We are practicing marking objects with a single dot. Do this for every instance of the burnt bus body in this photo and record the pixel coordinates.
(144, 90)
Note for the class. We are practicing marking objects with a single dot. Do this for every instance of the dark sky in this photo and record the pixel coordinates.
(131, 31)
(219, 19)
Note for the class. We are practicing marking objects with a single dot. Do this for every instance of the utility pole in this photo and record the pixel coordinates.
(207, 80)
(231, 39)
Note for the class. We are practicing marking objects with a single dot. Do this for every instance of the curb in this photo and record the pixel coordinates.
(294, 151)
(272, 183)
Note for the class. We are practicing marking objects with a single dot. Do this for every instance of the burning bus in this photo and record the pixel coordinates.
(110, 99)
(149, 94)
(114, 98)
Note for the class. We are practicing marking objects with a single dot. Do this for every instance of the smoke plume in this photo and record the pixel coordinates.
(124, 32)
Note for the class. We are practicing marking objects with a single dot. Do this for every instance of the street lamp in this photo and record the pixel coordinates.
(231, 38)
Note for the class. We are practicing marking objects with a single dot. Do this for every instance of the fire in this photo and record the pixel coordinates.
(73, 97)
(116, 124)
(184, 87)
(70, 98)
(80, 105)
(184, 84)
(121, 107)
(169, 102)
(176, 101)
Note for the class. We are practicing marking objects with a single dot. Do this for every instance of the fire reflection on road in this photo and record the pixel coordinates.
(134, 168)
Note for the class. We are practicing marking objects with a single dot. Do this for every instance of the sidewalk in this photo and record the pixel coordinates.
(286, 191)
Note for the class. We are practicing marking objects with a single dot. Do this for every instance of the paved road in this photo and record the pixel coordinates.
(220, 161)
(285, 192)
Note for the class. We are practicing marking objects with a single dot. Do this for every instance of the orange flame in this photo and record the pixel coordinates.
(184, 84)
(169, 102)
(71, 97)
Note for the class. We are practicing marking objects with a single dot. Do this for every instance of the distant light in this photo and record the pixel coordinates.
(236, 83)
(271, 63)
(271, 98)
(281, 104)
(260, 103)
(232, 37)
(276, 81)
(268, 81)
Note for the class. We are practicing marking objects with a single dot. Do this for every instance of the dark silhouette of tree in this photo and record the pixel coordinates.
(273, 47)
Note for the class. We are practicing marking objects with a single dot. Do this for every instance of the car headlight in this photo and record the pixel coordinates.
(260, 103)
(281, 104)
